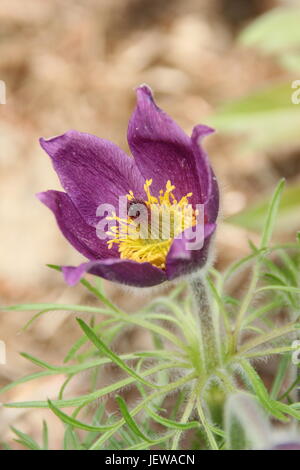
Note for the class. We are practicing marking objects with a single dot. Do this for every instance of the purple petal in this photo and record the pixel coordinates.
(212, 204)
(208, 181)
(161, 149)
(181, 260)
(92, 171)
(124, 271)
(81, 235)
(292, 445)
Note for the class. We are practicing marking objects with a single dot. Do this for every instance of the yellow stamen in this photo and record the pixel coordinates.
(148, 237)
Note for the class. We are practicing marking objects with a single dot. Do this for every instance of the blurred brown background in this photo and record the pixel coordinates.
(74, 64)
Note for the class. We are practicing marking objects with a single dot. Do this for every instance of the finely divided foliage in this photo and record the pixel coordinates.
(190, 378)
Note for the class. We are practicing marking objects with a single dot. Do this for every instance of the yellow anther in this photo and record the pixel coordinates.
(150, 241)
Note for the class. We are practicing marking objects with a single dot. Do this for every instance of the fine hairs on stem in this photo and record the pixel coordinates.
(203, 310)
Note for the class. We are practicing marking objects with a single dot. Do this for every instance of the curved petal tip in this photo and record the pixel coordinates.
(52, 144)
(144, 88)
(48, 198)
(72, 275)
(144, 95)
(200, 131)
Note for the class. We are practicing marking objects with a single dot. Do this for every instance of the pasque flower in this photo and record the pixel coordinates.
(169, 170)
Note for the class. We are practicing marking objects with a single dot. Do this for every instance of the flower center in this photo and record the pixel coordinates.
(146, 234)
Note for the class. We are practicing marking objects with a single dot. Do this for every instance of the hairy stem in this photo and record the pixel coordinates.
(184, 419)
(207, 328)
(211, 439)
(244, 306)
(167, 389)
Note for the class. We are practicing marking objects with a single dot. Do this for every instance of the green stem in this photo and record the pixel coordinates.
(207, 327)
(167, 389)
(244, 306)
(185, 417)
(212, 442)
(265, 338)
(100, 295)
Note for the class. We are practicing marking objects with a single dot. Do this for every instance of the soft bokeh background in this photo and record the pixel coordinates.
(75, 64)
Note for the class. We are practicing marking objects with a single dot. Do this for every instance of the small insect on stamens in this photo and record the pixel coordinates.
(136, 208)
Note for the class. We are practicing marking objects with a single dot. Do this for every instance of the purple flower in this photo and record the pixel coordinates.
(289, 445)
(94, 171)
